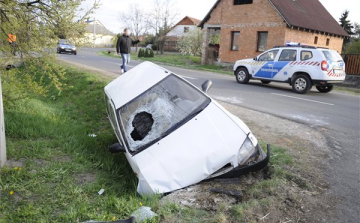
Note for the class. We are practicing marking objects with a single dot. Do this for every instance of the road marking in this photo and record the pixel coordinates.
(304, 99)
(119, 64)
(191, 78)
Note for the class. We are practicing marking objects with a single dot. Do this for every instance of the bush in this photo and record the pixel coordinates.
(352, 47)
(146, 54)
(154, 47)
(141, 53)
(151, 54)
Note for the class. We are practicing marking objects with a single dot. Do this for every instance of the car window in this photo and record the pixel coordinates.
(159, 111)
(112, 117)
(306, 55)
(269, 56)
(332, 56)
(288, 55)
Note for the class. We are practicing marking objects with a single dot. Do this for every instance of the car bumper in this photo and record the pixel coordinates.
(327, 82)
(241, 170)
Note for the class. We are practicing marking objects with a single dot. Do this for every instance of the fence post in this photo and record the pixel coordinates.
(2, 131)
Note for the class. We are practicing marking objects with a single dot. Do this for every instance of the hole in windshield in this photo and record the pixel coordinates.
(142, 124)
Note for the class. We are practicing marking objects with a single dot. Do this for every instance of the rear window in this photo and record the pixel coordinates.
(332, 56)
(306, 55)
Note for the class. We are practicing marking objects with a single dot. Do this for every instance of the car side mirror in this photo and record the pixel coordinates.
(255, 58)
(117, 148)
(206, 86)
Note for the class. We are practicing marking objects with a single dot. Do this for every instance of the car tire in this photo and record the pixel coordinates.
(242, 75)
(325, 89)
(301, 84)
(265, 82)
(75, 53)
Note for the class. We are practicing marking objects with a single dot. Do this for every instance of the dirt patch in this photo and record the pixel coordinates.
(84, 178)
(11, 163)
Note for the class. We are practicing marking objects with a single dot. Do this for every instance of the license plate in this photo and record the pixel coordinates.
(68, 50)
(338, 71)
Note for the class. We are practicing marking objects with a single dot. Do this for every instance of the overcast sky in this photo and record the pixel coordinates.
(109, 11)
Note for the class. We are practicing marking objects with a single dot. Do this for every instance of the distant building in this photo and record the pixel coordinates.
(180, 29)
(249, 27)
(96, 34)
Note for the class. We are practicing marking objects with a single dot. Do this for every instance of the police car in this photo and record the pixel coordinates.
(300, 66)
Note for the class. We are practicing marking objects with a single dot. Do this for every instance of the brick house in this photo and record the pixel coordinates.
(249, 27)
(181, 28)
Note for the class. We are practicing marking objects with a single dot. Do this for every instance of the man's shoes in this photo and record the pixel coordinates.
(122, 71)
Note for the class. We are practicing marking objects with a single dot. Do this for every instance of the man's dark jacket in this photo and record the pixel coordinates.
(124, 44)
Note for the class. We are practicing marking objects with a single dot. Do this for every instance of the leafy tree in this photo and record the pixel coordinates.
(191, 43)
(37, 24)
(352, 48)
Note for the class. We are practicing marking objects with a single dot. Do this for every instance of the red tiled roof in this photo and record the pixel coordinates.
(308, 14)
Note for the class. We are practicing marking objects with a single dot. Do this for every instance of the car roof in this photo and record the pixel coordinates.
(133, 83)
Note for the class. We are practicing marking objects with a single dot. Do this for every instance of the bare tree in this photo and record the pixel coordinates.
(135, 20)
(161, 19)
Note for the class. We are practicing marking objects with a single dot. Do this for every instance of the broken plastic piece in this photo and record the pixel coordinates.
(143, 213)
(92, 135)
(101, 191)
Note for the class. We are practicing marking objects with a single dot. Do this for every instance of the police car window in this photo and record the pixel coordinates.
(288, 55)
(269, 56)
(306, 55)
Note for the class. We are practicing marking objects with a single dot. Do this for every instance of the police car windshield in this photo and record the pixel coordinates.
(332, 56)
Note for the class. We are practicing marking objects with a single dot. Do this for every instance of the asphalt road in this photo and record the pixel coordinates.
(336, 115)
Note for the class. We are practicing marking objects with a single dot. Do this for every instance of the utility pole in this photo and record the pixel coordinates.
(94, 32)
(2, 131)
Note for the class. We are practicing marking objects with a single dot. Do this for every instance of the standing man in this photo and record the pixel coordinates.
(123, 48)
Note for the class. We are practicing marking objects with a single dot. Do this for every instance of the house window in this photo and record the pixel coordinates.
(262, 41)
(242, 2)
(288, 55)
(327, 42)
(306, 55)
(186, 29)
(316, 40)
(235, 40)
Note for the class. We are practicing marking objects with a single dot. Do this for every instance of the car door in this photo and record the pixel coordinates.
(281, 70)
(266, 64)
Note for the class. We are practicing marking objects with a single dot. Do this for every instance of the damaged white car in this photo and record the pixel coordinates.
(173, 134)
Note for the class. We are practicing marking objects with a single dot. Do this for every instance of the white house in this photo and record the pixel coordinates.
(97, 35)
(180, 29)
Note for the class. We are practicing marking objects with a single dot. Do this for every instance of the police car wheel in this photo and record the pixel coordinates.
(242, 76)
(266, 82)
(301, 84)
(325, 89)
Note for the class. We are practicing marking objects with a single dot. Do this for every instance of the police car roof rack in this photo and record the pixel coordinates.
(310, 47)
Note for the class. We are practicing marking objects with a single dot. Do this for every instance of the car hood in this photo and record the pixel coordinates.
(192, 153)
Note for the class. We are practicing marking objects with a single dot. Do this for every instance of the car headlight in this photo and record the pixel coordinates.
(74, 48)
(61, 47)
(247, 149)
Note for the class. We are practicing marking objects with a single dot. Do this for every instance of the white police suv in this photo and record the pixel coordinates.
(300, 66)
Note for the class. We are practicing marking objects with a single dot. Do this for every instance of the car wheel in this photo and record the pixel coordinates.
(325, 89)
(75, 53)
(242, 75)
(301, 84)
(265, 82)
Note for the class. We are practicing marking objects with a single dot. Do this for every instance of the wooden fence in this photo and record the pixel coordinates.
(352, 62)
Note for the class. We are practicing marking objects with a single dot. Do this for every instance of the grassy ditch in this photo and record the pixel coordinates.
(185, 61)
(56, 168)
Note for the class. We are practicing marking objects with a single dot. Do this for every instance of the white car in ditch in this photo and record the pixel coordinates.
(173, 134)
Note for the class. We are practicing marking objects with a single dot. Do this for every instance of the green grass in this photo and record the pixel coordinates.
(63, 168)
(184, 61)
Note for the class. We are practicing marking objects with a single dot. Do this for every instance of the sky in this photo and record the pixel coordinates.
(110, 10)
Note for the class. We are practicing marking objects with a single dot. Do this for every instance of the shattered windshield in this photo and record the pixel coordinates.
(159, 111)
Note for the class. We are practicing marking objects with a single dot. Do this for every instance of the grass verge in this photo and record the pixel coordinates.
(178, 60)
(56, 169)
